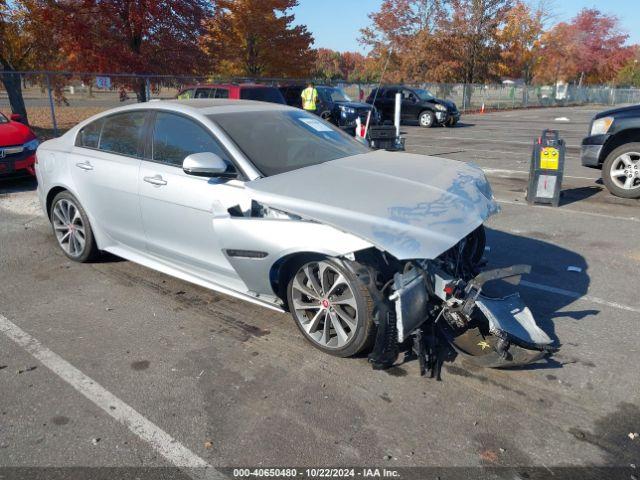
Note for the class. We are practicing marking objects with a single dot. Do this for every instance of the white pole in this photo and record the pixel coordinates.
(396, 117)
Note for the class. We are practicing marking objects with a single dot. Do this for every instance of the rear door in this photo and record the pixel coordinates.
(104, 163)
(178, 209)
(388, 103)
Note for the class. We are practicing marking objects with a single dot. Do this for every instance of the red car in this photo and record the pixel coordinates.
(243, 91)
(17, 146)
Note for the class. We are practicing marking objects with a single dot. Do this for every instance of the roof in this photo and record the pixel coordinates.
(196, 106)
(207, 106)
(229, 85)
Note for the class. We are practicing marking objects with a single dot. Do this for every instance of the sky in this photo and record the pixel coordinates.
(336, 24)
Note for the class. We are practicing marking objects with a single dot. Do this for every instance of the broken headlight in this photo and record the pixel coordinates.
(262, 211)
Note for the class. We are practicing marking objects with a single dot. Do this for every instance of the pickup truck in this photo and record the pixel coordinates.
(613, 145)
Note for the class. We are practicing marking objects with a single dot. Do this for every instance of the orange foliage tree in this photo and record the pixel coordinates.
(519, 39)
(24, 45)
(127, 36)
(590, 49)
(257, 38)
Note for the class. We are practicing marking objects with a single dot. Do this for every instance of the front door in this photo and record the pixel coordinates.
(178, 210)
(410, 105)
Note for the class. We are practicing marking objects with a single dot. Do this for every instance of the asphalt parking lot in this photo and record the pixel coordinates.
(150, 371)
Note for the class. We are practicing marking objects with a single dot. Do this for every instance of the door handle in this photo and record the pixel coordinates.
(84, 166)
(156, 180)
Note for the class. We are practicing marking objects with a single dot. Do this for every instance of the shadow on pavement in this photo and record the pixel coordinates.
(578, 194)
(16, 184)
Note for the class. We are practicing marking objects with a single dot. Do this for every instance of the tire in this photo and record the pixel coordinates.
(355, 328)
(76, 242)
(451, 123)
(427, 119)
(625, 160)
(326, 115)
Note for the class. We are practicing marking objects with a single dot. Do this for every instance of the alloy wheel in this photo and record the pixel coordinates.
(69, 227)
(324, 304)
(625, 171)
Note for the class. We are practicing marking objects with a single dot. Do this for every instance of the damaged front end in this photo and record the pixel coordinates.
(440, 303)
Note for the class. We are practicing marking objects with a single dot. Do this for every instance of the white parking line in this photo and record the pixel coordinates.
(570, 211)
(161, 441)
(576, 295)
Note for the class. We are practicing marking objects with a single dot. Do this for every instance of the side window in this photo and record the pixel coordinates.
(409, 95)
(122, 132)
(175, 137)
(391, 93)
(222, 93)
(186, 94)
(203, 93)
(89, 136)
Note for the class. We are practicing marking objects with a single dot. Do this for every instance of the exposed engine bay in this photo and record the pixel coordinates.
(431, 307)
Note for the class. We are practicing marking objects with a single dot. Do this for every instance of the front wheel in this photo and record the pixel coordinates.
(621, 171)
(452, 122)
(427, 119)
(332, 307)
(71, 228)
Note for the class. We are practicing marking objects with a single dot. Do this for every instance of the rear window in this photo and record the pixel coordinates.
(204, 93)
(89, 136)
(262, 94)
(222, 93)
(122, 133)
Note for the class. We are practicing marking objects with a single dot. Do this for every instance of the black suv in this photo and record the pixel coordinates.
(613, 145)
(417, 105)
(333, 105)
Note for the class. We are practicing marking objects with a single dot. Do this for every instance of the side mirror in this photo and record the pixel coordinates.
(16, 117)
(206, 164)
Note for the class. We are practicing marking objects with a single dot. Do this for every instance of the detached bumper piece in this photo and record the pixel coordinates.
(439, 314)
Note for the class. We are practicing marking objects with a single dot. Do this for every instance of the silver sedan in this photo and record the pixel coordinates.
(275, 206)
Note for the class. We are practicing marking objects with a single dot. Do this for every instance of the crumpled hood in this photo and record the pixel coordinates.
(412, 206)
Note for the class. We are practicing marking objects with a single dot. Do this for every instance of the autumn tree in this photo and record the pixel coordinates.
(519, 39)
(629, 74)
(24, 45)
(128, 36)
(393, 34)
(258, 38)
(327, 64)
(470, 37)
(589, 49)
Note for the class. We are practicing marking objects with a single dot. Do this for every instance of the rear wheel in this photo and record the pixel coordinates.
(332, 307)
(427, 119)
(621, 171)
(71, 228)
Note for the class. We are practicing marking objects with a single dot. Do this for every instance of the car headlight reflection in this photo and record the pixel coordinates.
(601, 126)
(345, 111)
(32, 145)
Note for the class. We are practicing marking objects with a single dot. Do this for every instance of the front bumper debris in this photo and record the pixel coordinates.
(436, 310)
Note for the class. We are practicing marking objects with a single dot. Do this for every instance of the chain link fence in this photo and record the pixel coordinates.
(55, 101)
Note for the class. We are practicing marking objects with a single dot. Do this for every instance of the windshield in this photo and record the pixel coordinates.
(424, 94)
(337, 95)
(283, 140)
(262, 94)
